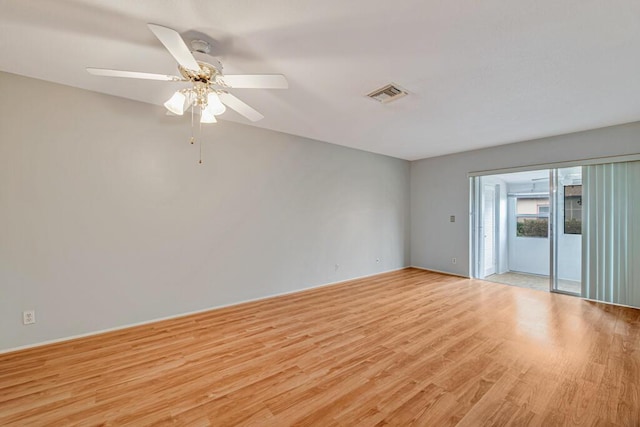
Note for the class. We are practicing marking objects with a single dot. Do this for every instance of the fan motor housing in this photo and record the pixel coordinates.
(206, 74)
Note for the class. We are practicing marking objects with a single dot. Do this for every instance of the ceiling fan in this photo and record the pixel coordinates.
(209, 86)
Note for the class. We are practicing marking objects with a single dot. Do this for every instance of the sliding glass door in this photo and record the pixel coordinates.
(573, 230)
(566, 230)
(527, 229)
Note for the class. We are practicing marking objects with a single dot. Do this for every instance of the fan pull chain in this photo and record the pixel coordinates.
(200, 141)
(192, 138)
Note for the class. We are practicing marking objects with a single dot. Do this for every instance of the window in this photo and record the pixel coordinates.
(532, 217)
(543, 209)
(573, 209)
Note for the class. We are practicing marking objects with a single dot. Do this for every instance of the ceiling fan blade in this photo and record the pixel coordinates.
(131, 74)
(257, 81)
(175, 45)
(240, 107)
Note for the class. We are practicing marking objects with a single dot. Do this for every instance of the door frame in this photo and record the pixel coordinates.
(476, 226)
(494, 236)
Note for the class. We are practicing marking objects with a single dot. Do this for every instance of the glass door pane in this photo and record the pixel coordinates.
(567, 230)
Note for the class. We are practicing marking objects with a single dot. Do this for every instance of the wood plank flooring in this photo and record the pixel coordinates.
(403, 348)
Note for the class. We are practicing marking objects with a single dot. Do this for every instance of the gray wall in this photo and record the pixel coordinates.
(106, 219)
(440, 187)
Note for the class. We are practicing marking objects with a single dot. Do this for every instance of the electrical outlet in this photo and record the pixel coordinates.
(454, 260)
(29, 317)
(337, 267)
(452, 218)
(377, 260)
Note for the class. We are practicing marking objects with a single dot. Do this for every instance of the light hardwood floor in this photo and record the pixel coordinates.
(408, 347)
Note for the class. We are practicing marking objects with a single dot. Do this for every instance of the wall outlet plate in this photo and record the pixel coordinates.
(454, 260)
(29, 317)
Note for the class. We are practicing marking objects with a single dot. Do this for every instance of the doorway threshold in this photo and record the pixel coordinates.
(533, 281)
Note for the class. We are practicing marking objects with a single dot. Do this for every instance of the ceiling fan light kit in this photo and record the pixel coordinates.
(209, 90)
(207, 117)
(214, 104)
(177, 103)
(200, 96)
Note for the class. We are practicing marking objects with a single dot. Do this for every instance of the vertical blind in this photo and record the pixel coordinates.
(611, 233)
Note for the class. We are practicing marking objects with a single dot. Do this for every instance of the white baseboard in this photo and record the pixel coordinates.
(441, 272)
(176, 316)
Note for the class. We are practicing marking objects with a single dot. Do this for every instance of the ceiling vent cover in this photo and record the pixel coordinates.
(388, 93)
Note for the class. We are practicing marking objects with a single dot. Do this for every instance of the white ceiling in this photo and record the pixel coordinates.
(480, 73)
